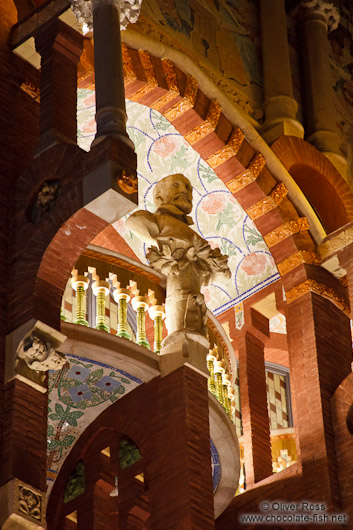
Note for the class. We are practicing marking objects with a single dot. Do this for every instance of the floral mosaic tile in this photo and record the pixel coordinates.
(218, 217)
(278, 324)
(77, 395)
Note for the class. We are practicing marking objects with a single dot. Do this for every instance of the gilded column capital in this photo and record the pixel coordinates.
(129, 10)
(320, 9)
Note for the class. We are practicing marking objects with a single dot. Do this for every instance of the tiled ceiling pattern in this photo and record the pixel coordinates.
(218, 217)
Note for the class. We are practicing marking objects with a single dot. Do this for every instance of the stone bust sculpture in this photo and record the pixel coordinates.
(39, 355)
(182, 255)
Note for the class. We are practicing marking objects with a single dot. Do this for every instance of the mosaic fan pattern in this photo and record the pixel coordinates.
(78, 394)
(218, 217)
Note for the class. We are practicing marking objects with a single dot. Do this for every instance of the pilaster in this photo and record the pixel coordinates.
(253, 397)
(60, 48)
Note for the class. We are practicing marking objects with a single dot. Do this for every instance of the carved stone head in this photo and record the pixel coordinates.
(38, 355)
(174, 190)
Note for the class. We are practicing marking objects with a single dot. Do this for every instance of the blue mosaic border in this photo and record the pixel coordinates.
(103, 365)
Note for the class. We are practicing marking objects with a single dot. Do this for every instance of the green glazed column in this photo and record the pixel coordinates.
(80, 285)
(157, 314)
(211, 358)
(140, 305)
(122, 297)
(100, 290)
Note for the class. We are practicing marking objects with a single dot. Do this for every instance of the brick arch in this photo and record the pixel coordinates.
(117, 418)
(41, 256)
(161, 85)
(321, 183)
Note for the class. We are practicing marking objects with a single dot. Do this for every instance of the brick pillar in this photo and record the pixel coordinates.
(23, 459)
(60, 48)
(179, 478)
(99, 511)
(253, 398)
(320, 354)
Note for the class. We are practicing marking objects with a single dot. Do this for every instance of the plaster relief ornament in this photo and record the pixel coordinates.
(129, 11)
(39, 355)
(181, 254)
(46, 199)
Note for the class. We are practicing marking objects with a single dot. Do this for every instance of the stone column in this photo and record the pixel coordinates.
(60, 48)
(253, 397)
(109, 78)
(316, 20)
(280, 106)
(320, 354)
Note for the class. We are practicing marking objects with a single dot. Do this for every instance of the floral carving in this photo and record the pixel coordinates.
(46, 199)
(29, 503)
(129, 10)
(172, 259)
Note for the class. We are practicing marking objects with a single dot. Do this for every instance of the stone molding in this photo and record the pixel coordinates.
(320, 289)
(268, 203)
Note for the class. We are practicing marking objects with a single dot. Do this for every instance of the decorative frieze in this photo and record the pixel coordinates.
(320, 289)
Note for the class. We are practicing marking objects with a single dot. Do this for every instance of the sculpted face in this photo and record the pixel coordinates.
(174, 190)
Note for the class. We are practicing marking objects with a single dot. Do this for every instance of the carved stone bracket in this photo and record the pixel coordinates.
(31, 350)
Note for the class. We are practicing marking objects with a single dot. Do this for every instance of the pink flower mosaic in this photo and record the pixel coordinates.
(164, 146)
(213, 204)
(254, 263)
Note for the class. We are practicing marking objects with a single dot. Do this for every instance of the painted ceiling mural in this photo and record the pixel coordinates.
(222, 37)
(218, 217)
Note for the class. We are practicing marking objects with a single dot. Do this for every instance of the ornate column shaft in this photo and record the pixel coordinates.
(280, 106)
(211, 358)
(122, 297)
(157, 314)
(80, 285)
(100, 289)
(317, 18)
(140, 305)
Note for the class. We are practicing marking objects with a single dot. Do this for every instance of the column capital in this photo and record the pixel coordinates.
(129, 10)
(321, 10)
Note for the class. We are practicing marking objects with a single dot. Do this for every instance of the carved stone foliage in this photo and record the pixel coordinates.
(325, 9)
(45, 200)
(39, 355)
(29, 502)
(129, 10)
